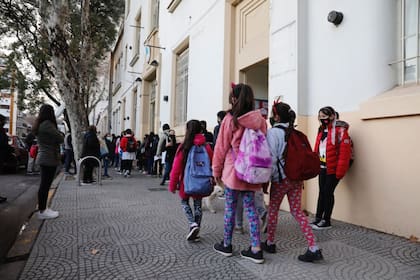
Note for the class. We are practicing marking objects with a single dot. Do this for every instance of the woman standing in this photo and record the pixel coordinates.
(241, 116)
(48, 158)
(334, 147)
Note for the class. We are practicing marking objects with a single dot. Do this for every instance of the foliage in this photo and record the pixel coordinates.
(23, 21)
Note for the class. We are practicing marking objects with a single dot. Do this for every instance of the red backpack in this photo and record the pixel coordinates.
(301, 162)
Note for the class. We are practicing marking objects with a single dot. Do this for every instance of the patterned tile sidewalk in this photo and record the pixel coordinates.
(134, 229)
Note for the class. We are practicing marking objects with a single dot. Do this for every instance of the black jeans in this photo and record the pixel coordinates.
(126, 164)
(327, 185)
(88, 171)
(47, 177)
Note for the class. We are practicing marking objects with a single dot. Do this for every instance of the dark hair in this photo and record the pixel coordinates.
(128, 131)
(286, 115)
(166, 126)
(193, 128)
(203, 125)
(221, 115)
(327, 110)
(46, 113)
(242, 99)
(92, 128)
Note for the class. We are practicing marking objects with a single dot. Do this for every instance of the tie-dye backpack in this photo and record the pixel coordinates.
(253, 161)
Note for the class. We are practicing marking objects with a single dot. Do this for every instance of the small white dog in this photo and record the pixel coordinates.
(208, 201)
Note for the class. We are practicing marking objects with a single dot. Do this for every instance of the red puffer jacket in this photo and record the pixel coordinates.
(338, 148)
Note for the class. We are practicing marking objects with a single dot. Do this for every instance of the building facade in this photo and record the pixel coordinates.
(365, 66)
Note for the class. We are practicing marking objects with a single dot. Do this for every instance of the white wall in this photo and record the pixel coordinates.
(338, 66)
(203, 23)
(347, 64)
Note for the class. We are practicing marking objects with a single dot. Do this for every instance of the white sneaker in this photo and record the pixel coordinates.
(47, 214)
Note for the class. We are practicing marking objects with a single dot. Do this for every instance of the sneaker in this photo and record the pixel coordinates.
(3, 199)
(323, 224)
(268, 248)
(87, 183)
(239, 230)
(221, 249)
(194, 231)
(47, 214)
(255, 257)
(196, 239)
(314, 223)
(311, 256)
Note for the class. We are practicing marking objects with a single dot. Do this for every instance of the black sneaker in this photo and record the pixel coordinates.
(255, 257)
(2, 199)
(268, 248)
(221, 249)
(314, 223)
(311, 256)
(193, 233)
(323, 224)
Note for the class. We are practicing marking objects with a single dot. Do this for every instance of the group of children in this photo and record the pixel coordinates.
(332, 145)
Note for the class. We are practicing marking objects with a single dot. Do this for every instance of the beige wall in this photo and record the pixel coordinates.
(382, 188)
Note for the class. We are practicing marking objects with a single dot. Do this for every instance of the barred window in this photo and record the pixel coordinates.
(181, 89)
(410, 40)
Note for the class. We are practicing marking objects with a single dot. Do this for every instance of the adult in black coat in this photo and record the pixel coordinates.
(91, 147)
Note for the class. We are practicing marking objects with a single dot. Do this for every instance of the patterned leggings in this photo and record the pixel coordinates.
(230, 209)
(198, 214)
(293, 189)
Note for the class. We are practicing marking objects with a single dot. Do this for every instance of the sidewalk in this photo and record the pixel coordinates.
(135, 229)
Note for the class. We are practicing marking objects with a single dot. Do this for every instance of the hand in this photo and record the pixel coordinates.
(218, 181)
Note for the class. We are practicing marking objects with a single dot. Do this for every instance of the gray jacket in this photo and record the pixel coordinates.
(49, 140)
(275, 138)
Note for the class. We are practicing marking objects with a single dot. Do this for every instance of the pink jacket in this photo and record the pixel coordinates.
(177, 172)
(230, 136)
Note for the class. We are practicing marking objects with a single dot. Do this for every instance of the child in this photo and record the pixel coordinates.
(284, 117)
(241, 116)
(193, 136)
(334, 148)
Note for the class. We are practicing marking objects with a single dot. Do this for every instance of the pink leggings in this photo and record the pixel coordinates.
(293, 189)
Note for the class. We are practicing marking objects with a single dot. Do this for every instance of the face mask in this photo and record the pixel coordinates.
(272, 121)
(325, 122)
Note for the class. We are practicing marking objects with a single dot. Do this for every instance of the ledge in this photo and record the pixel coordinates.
(397, 102)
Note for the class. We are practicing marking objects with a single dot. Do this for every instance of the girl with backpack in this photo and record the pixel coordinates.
(128, 147)
(241, 116)
(193, 137)
(333, 145)
(283, 117)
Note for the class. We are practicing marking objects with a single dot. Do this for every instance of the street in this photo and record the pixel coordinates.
(132, 228)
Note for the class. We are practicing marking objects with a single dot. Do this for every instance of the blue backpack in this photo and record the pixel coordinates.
(198, 173)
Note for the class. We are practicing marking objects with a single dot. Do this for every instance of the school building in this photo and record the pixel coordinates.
(174, 60)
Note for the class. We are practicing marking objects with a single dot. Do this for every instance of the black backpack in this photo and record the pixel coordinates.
(131, 145)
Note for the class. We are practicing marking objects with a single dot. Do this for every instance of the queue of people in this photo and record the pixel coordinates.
(161, 155)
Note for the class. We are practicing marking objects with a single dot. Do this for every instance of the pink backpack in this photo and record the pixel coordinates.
(253, 162)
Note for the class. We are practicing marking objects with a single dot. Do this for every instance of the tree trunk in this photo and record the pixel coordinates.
(69, 80)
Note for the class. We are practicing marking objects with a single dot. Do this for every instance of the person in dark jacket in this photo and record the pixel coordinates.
(170, 148)
(5, 149)
(91, 147)
(48, 158)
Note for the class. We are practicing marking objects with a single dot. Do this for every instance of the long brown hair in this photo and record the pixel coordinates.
(242, 99)
(46, 113)
(193, 128)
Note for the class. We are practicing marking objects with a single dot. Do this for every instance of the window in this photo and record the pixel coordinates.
(136, 41)
(410, 40)
(155, 14)
(172, 5)
(181, 88)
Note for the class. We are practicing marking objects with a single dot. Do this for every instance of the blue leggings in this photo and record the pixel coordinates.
(230, 211)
